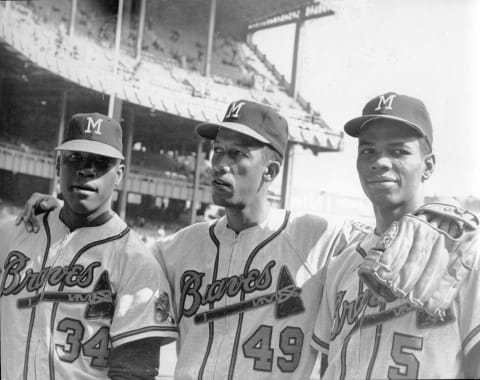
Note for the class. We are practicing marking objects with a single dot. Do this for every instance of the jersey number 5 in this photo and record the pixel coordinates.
(258, 347)
(408, 364)
(96, 347)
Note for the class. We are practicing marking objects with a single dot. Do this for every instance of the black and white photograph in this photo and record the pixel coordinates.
(221, 189)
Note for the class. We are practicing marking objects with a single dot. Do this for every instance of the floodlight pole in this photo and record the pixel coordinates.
(7, 9)
(287, 176)
(141, 27)
(61, 131)
(73, 16)
(123, 191)
(118, 35)
(299, 25)
(196, 183)
(211, 31)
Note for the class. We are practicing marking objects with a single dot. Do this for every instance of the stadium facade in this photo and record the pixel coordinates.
(159, 67)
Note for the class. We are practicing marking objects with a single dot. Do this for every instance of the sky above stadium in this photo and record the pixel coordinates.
(423, 48)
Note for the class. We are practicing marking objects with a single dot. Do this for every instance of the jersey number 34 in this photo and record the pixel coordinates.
(97, 347)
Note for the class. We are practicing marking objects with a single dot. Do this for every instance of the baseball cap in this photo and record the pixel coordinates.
(253, 119)
(411, 112)
(93, 133)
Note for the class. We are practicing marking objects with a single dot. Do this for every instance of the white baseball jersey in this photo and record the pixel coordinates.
(246, 303)
(369, 339)
(68, 297)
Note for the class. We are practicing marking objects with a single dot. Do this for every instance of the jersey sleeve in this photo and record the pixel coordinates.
(339, 235)
(158, 248)
(143, 299)
(314, 239)
(468, 302)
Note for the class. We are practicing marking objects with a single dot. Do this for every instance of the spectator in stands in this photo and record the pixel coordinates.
(60, 37)
(161, 231)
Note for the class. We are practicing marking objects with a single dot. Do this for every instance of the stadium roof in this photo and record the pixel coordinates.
(231, 13)
(40, 65)
(233, 16)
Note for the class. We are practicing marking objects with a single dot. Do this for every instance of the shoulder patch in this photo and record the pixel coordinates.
(162, 309)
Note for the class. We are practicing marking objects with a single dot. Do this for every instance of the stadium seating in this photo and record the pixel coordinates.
(172, 57)
(167, 76)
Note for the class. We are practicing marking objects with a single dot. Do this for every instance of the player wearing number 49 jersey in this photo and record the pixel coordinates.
(246, 288)
(83, 298)
(246, 303)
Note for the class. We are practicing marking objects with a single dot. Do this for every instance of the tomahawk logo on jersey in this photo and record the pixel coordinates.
(286, 297)
(68, 297)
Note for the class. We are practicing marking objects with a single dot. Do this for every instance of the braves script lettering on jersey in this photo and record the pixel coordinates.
(67, 297)
(246, 303)
(365, 338)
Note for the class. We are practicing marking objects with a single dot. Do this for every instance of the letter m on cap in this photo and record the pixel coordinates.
(234, 110)
(385, 102)
(94, 125)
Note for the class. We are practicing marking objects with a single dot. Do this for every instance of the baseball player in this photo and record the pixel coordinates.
(246, 286)
(83, 298)
(368, 337)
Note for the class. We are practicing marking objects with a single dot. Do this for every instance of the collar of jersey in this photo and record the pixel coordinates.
(273, 220)
(369, 241)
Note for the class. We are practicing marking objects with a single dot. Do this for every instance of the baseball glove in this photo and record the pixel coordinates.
(424, 257)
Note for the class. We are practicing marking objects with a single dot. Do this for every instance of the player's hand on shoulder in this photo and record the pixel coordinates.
(38, 203)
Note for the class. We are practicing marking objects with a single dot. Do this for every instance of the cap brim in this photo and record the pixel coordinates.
(354, 126)
(90, 146)
(210, 130)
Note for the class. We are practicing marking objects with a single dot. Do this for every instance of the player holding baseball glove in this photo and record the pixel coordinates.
(404, 302)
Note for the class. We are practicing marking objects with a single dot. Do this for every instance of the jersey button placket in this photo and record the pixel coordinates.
(61, 258)
(227, 256)
(233, 270)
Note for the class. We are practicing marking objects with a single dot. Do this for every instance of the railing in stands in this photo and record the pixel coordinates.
(18, 161)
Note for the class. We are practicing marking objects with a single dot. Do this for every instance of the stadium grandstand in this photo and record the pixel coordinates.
(159, 67)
